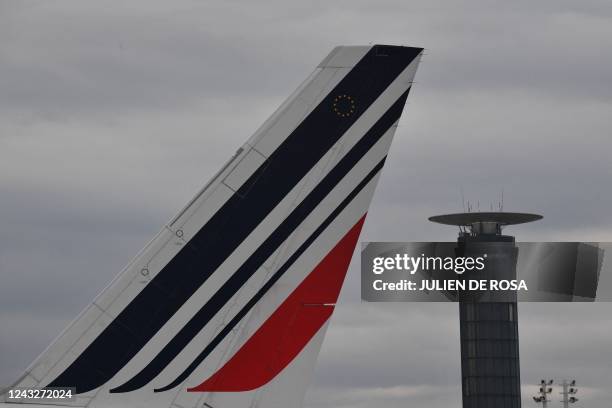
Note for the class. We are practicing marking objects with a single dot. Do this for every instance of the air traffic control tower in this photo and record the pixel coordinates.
(490, 370)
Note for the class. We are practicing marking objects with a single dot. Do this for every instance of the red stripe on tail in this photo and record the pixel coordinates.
(287, 331)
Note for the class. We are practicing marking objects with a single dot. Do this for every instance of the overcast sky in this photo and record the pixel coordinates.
(112, 117)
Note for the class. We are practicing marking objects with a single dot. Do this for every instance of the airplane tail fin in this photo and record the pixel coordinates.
(228, 305)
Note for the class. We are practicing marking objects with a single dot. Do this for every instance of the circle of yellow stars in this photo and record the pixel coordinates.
(344, 105)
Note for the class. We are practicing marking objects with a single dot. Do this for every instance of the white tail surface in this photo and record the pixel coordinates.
(228, 305)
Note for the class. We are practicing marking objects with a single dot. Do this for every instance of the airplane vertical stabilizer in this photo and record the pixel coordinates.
(228, 305)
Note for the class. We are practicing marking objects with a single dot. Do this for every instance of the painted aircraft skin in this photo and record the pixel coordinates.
(228, 305)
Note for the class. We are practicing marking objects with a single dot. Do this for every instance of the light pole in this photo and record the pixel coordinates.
(569, 390)
(545, 389)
